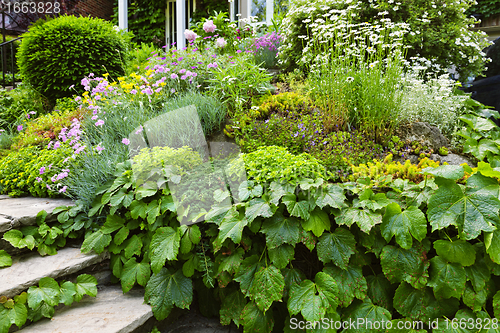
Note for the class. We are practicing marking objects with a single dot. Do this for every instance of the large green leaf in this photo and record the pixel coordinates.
(313, 299)
(492, 244)
(297, 208)
(475, 300)
(280, 229)
(350, 282)
(254, 320)
(480, 148)
(480, 183)
(47, 291)
(380, 290)
(281, 255)
(134, 271)
(85, 285)
(478, 274)
(403, 225)
(365, 218)
(5, 259)
(478, 123)
(453, 172)
(231, 263)
(331, 195)
(471, 212)
(447, 279)
(258, 207)
(337, 247)
(113, 223)
(133, 246)
(138, 208)
(420, 304)
(458, 251)
(405, 265)
(232, 307)
(246, 273)
(16, 239)
(67, 291)
(231, 227)
(166, 289)
(96, 241)
(318, 222)
(366, 315)
(267, 287)
(164, 246)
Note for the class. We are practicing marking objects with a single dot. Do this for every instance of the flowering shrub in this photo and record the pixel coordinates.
(34, 171)
(436, 32)
(226, 35)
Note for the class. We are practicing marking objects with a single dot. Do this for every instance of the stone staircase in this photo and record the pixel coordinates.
(110, 312)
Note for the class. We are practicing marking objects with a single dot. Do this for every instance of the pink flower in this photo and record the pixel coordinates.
(64, 188)
(19, 128)
(126, 141)
(38, 179)
(239, 51)
(140, 129)
(100, 122)
(99, 148)
(57, 145)
(190, 35)
(42, 170)
(209, 26)
(220, 42)
(174, 76)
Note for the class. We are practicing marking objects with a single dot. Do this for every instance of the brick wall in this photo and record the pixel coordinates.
(95, 8)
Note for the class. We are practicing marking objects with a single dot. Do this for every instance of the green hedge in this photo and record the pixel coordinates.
(58, 53)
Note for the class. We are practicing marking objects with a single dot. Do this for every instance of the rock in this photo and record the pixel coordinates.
(425, 133)
(16, 212)
(110, 311)
(28, 269)
(452, 159)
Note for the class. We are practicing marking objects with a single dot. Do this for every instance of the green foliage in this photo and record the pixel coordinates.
(273, 163)
(16, 105)
(239, 84)
(58, 53)
(47, 236)
(139, 57)
(388, 167)
(416, 251)
(205, 8)
(486, 8)
(146, 20)
(40, 301)
(481, 134)
(5, 259)
(21, 171)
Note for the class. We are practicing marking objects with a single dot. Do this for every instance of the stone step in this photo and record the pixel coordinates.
(110, 312)
(16, 212)
(28, 269)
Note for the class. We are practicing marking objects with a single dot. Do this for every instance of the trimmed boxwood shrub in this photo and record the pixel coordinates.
(58, 53)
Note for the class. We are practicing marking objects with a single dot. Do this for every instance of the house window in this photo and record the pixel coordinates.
(262, 9)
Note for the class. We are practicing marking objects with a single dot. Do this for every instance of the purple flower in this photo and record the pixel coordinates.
(174, 76)
(64, 188)
(38, 179)
(57, 145)
(126, 141)
(42, 170)
(100, 122)
(182, 71)
(99, 148)
(133, 91)
(19, 128)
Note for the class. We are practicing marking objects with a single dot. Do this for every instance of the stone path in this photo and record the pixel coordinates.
(110, 312)
(28, 269)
